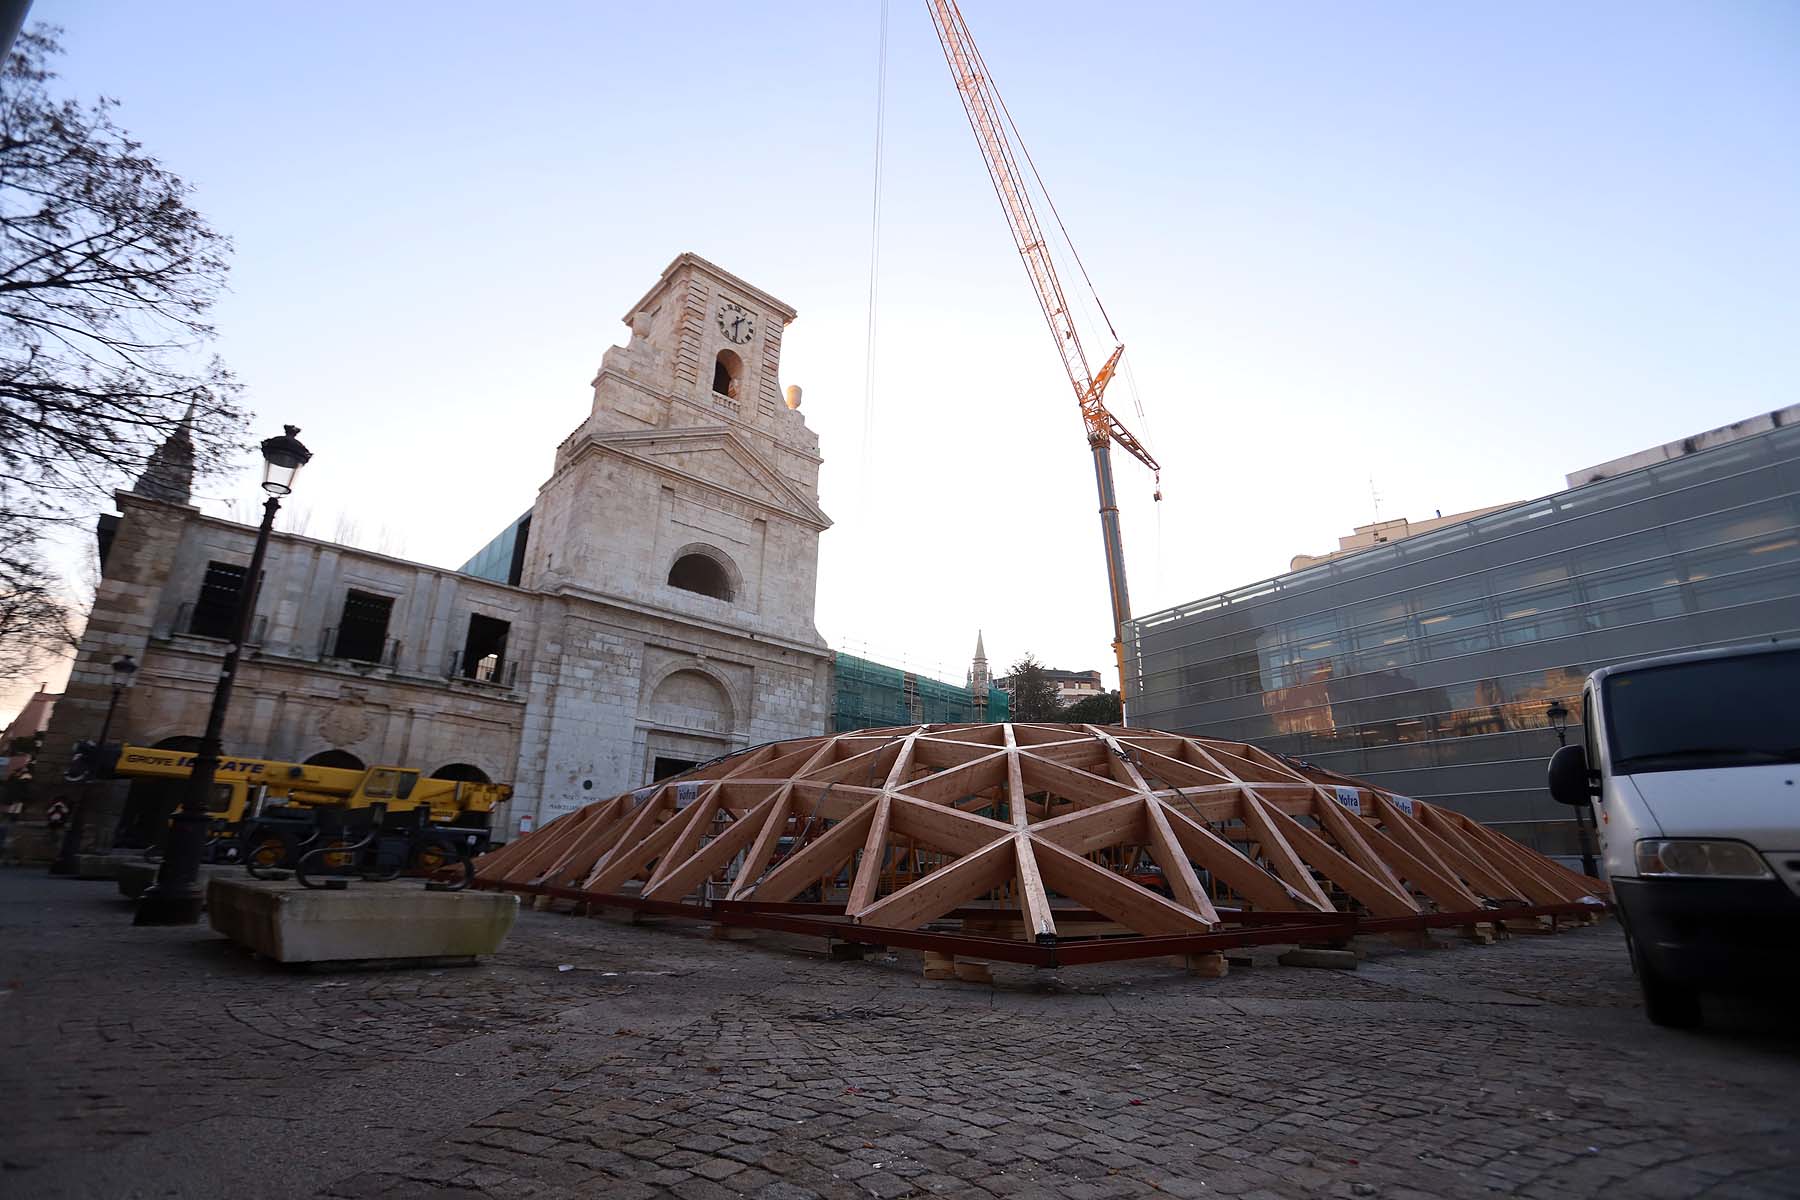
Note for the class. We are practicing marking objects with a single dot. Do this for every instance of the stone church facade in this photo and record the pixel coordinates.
(658, 613)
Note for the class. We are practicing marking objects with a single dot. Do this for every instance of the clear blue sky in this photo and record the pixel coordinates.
(1459, 249)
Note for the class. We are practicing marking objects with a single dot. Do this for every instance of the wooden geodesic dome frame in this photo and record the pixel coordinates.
(1048, 844)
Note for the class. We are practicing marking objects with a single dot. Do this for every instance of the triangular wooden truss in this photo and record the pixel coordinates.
(1154, 832)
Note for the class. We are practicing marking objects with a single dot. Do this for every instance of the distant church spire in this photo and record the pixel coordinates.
(169, 472)
(979, 678)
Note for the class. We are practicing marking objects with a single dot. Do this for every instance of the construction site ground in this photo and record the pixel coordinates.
(601, 1058)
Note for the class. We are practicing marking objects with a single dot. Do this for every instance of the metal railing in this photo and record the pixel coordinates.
(491, 669)
(183, 626)
(328, 638)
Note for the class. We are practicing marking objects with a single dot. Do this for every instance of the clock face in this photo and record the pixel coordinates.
(735, 323)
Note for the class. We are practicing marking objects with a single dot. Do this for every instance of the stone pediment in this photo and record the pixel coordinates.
(715, 457)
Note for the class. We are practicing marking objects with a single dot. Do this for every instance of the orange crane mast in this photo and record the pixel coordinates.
(997, 139)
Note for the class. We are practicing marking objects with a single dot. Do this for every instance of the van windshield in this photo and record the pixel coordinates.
(1722, 712)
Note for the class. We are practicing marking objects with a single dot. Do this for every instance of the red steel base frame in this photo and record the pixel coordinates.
(1247, 928)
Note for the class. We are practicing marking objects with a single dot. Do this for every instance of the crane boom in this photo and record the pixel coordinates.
(987, 118)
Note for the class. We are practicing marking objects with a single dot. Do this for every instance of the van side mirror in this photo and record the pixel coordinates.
(1569, 776)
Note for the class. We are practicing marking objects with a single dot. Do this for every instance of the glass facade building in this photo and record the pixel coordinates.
(1427, 665)
(503, 559)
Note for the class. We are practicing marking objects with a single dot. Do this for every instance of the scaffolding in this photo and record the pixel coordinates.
(873, 696)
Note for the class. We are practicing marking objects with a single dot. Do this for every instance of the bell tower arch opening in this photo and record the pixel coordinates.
(704, 570)
(728, 374)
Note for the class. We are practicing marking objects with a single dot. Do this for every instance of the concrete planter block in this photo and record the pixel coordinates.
(396, 921)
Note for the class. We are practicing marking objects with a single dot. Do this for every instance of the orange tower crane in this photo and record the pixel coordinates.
(1002, 150)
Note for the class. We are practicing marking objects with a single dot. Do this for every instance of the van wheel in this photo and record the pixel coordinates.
(1667, 1004)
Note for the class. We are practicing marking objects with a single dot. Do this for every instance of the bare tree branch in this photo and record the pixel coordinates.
(107, 277)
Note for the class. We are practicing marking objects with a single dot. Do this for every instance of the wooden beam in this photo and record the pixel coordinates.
(767, 838)
(1374, 892)
(536, 850)
(1136, 908)
(1086, 830)
(1411, 836)
(1176, 773)
(1214, 802)
(1346, 831)
(1177, 871)
(1541, 887)
(698, 867)
(705, 812)
(952, 784)
(634, 833)
(943, 828)
(630, 859)
(947, 888)
(1445, 890)
(1469, 860)
(579, 853)
(1241, 873)
(941, 754)
(1259, 818)
(1034, 903)
(823, 855)
(868, 872)
(829, 801)
(748, 762)
(1017, 807)
(1069, 782)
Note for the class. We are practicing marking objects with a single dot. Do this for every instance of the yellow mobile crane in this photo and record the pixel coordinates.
(1002, 151)
(266, 812)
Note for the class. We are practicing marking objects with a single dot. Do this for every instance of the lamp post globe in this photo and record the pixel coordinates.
(1558, 716)
(282, 459)
(176, 897)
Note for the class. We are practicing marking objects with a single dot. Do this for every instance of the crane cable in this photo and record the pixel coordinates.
(1068, 243)
(1019, 140)
(874, 246)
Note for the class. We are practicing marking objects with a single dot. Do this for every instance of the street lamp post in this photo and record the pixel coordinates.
(68, 858)
(1558, 717)
(176, 898)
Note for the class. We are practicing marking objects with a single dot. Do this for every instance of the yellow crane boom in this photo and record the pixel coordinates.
(1002, 153)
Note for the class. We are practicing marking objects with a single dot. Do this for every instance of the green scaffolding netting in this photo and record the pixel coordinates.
(872, 696)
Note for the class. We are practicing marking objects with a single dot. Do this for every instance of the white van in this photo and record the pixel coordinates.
(1691, 763)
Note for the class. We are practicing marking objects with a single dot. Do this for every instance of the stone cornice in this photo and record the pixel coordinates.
(182, 647)
(299, 539)
(661, 396)
(125, 498)
(574, 591)
(620, 444)
(688, 258)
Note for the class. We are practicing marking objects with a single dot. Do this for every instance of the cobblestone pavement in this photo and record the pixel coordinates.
(164, 1062)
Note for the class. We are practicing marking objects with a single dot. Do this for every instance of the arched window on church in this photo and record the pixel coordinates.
(701, 573)
(728, 371)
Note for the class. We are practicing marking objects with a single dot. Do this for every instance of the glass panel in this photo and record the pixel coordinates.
(1634, 548)
(1745, 587)
(1773, 516)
